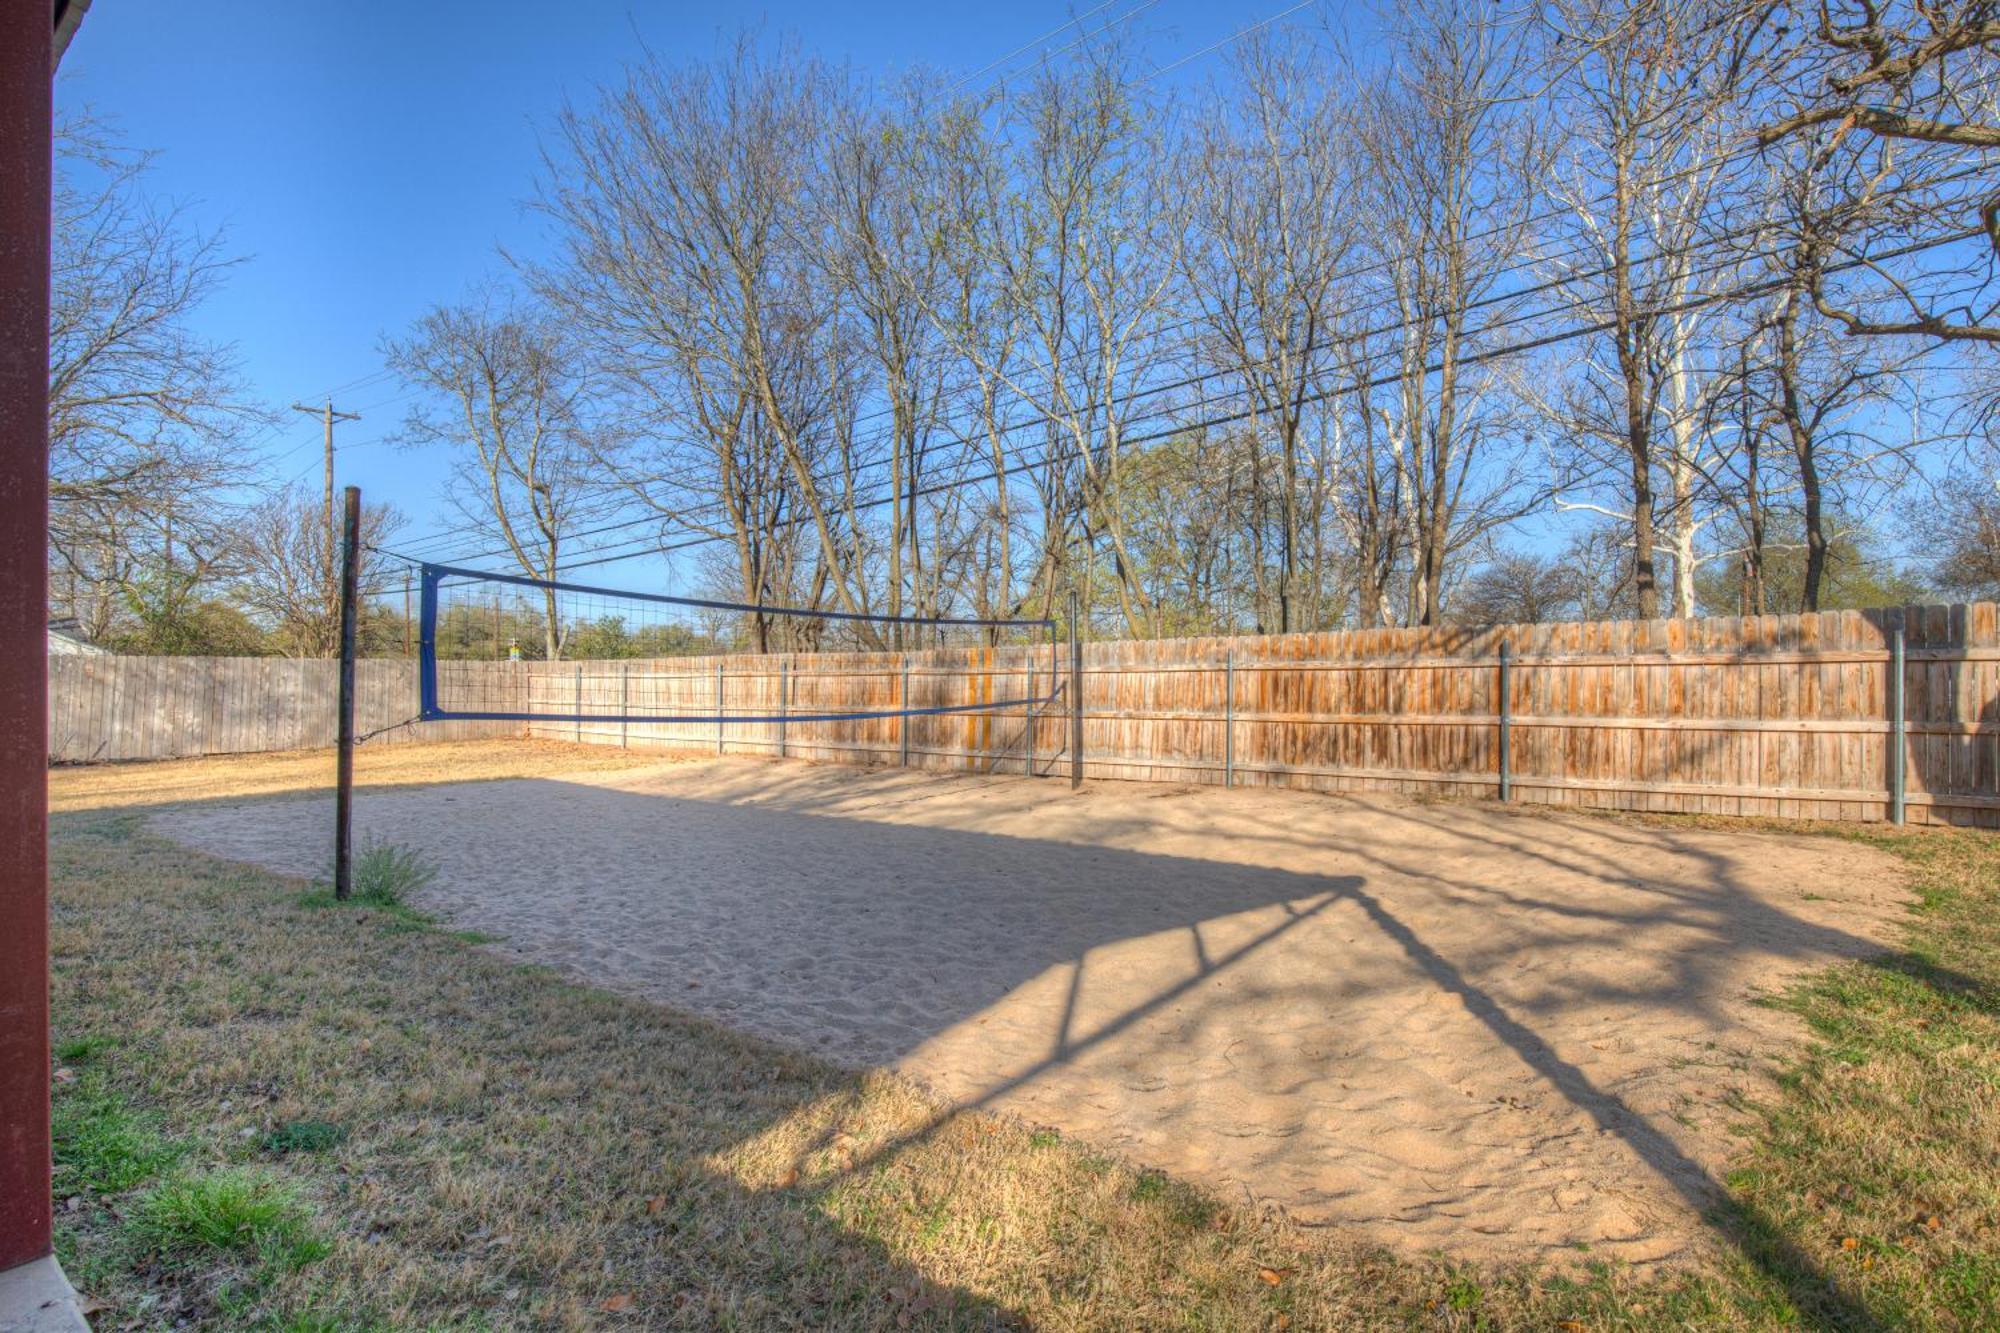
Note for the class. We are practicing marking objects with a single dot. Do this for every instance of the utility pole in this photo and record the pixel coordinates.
(329, 416)
(326, 413)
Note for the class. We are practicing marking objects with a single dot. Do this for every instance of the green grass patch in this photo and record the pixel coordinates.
(1871, 1197)
(103, 1145)
(81, 1050)
(232, 1209)
(383, 877)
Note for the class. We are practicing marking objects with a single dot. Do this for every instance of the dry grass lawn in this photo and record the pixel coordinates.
(277, 1113)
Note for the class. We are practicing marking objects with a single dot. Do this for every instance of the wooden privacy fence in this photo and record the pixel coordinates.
(1789, 716)
(105, 708)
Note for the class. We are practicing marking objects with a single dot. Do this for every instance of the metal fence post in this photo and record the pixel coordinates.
(579, 703)
(1075, 695)
(784, 705)
(1229, 717)
(1028, 715)
(1505, 710)
(624, 705)
(718, 708)
(1899, 727)
(903, 722)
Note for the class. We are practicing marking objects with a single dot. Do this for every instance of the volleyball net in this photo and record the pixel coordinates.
(604, 655)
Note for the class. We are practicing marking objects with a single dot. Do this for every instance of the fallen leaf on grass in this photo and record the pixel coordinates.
(1274, 1275)
(1849, 1243)
(624, 1300)
(656, 1203)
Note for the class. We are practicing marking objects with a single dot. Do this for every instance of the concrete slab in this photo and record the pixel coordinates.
(37, 1298)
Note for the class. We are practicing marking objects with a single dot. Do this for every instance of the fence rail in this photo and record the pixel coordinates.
(1789, 716)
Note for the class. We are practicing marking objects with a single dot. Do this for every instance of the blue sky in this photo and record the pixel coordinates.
(369, 160)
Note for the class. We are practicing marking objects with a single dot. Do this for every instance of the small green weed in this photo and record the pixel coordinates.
(304, 1136)
(385, 875)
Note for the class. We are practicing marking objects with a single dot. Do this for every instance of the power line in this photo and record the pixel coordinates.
(1151, 390)
(1530, 344)
(1056, 31)
(1230, 39)
(1746, 150)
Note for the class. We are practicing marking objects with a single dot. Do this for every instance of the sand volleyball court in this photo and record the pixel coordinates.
(1455, 1027)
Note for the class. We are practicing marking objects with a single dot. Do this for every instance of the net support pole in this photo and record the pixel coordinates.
(1228, 717)
(576, 696)
(784, 706)
(1506, 723)
(343, 783)
(718, 708)
(903, 722)
(1075, 697)
(624, 705)
(1899, 728)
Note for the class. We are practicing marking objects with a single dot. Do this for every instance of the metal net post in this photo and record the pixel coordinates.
(350, 608)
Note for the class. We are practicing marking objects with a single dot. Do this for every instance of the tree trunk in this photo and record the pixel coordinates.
(1803, 448)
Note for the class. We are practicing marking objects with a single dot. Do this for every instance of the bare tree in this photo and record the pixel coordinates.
(1267, 227)
(1517, 588)
(144, 415)
(682, 201)
(1959, 524)
(283, 573)
(890, 268)
(1645, 85)
(505, 397)
(957, 171)
(1079, 249)
(1454, 162)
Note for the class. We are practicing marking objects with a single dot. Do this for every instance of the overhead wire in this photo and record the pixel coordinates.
(1530, 344)
(1529, 263)
(834, 472)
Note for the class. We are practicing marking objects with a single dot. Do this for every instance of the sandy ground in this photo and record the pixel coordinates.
(1451, 1027)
